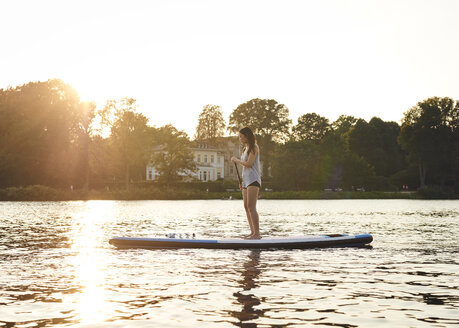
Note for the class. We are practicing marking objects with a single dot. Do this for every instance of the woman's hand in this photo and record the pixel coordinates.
(234, 159)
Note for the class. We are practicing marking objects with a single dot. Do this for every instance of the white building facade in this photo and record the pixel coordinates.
(152, 174)
(211, 163)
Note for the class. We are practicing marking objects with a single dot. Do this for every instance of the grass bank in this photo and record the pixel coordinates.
(43, 193)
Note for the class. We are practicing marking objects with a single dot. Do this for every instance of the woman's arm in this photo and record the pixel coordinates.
(250, 160)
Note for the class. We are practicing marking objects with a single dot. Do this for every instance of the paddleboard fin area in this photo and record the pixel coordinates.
(320, 241)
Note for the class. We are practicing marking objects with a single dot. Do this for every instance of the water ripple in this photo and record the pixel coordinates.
(57, 268)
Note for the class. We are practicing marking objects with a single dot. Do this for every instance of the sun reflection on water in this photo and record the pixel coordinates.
(89, 262)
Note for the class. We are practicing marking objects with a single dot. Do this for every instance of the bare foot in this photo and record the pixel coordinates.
(254, 237)
(248, 236)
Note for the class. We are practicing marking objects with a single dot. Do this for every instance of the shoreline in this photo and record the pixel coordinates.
(42, 193)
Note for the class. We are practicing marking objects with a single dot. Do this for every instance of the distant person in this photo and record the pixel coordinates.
(251, 179)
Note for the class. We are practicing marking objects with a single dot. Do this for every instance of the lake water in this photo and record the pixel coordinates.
(57, 268)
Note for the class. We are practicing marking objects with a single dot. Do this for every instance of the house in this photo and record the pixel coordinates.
(210, 162)
(213, 162)
(152, 173)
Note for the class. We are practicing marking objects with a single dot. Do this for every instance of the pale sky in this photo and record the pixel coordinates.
(362, 58)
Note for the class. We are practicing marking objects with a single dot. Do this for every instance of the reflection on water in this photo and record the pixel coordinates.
(91, 304)
(57, 268)
(247, 300)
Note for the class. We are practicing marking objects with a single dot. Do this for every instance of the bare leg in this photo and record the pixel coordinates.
(247, 212)
(252, 197)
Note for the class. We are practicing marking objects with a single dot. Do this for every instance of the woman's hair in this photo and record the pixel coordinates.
(247, 132)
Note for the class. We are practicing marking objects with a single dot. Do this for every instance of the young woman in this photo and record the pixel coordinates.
(251, 179)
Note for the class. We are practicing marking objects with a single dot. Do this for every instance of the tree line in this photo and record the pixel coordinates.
(49, 137)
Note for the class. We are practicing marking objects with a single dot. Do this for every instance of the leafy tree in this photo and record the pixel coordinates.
(266, 117)
(173, 157)
(131, 137)
(295, 165)
(311, 126)
(268, 120)
(376, 142)
(103, 162)
(87, 114)
(211, 124)
(356, 172)
(333, 147)
(302, 165)
(454, 124)
(343, 124)
(429, 134)
(38, 128)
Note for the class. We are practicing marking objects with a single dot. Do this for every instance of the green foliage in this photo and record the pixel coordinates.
(408, 176)
(298, 165)
(356, 172)
(437, 192)
(30, 193)
(85, 130)
(173, 157)
(131, 137)
(377, 143)
(48, 139)
(343, 124)
(311, 126)
(211, 124)
(196, 185)
(268, 120)
(266, 117)
(39, 124)
(336, 195)
(42, 193)
(429, 134)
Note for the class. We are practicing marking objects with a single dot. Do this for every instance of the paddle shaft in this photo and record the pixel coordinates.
(238, 176)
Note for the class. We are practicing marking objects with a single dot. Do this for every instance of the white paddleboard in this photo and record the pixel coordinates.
(332, 240)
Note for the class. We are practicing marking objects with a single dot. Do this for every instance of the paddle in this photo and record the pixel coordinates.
(238, 176)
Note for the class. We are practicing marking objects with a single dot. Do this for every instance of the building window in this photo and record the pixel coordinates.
(205, 175)
(150, 175)
(205, 158)
(199, 158)
(211, 158)
(219, 175)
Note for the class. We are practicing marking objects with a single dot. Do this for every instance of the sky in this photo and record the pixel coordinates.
(363, 58)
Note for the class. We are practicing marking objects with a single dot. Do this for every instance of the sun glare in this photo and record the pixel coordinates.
(89, 262)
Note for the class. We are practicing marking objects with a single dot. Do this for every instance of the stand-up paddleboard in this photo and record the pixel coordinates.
(334, 240)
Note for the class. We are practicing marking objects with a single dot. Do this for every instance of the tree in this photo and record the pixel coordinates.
(343, 124)
(173, 157)
(376, 142)
(356, 172)
(131, 137)
(87, 113)
(267, 119)
(103, 162)
(311, 127)
(38, 128)
(429, 134)
(300, 170)
(211, 124)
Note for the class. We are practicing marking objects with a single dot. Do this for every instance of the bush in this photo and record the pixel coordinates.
(380, 183)
(436, 192)
(29, 193)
